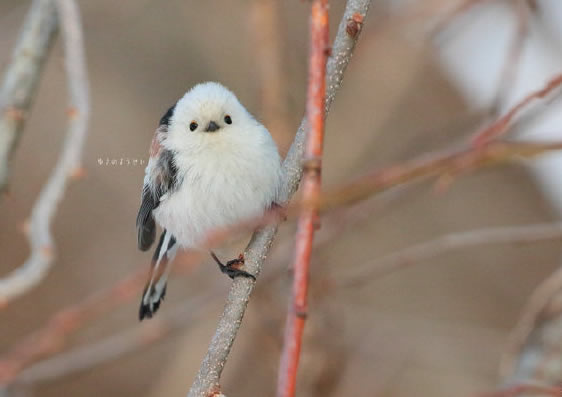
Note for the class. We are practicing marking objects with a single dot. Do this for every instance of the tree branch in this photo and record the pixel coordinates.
(28, 275)
(450, 242)
(311, 186)
(445, 165)
(514, 54)
(534, 348)
(207, 380)
(120, 344)
(501, 126)
(52, 337)
(22, 77)
(526, 390)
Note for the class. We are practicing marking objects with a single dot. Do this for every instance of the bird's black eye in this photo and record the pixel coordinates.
(227, 119)
(193, 126)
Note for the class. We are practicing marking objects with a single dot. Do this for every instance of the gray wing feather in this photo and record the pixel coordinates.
(160, 177)
(146, 227)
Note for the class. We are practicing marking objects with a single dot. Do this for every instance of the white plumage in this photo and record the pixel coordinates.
(226, 176)
(223, 171)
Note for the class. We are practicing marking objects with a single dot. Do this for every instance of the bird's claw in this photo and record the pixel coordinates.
(231, 268)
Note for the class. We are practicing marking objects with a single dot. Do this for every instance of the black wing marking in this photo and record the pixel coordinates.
(165, 120)
(160, 178)
(146, 227)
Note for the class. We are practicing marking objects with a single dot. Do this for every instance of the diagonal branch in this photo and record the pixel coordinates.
(53, 336)
(533, 346)
(124, 342)
(524, 234)
(443, 164)
(501, 126)
(207, 380)
(296, 316)
(120, 344)
(22, 77)
(28, 275)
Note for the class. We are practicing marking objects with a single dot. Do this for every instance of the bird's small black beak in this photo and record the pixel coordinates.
(212, 127)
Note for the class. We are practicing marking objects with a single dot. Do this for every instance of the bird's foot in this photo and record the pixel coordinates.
(232, 268)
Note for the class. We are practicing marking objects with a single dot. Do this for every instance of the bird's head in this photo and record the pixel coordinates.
(209, 109)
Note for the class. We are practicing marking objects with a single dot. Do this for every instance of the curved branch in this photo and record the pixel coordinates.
(207, 380)
(22, 76)
(28, 275)
(533, 347)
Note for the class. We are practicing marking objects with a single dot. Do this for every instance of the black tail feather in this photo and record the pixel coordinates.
(155, 289)
(147, 310)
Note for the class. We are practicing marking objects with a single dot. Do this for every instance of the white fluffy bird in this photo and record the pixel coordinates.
(212, 165)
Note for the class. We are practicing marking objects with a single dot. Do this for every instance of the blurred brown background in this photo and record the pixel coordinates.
(434, 329)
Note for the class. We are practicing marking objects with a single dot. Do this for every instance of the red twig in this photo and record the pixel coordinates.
(500, 126)
(311, 190)
(446, 165)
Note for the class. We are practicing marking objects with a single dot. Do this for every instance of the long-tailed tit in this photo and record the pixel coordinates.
(211, 165)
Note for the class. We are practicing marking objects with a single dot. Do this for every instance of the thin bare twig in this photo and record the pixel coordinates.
(501, 126)
(266, 32)
(22, 76)
(120, 344)
(457, 11)
(52, 337)
(34, 269)
(530, 320)
(527, 389)
(445, 164)
(207, 381)
(430, 249)
(311, 185)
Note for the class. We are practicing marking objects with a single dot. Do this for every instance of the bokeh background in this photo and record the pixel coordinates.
(434, 329)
